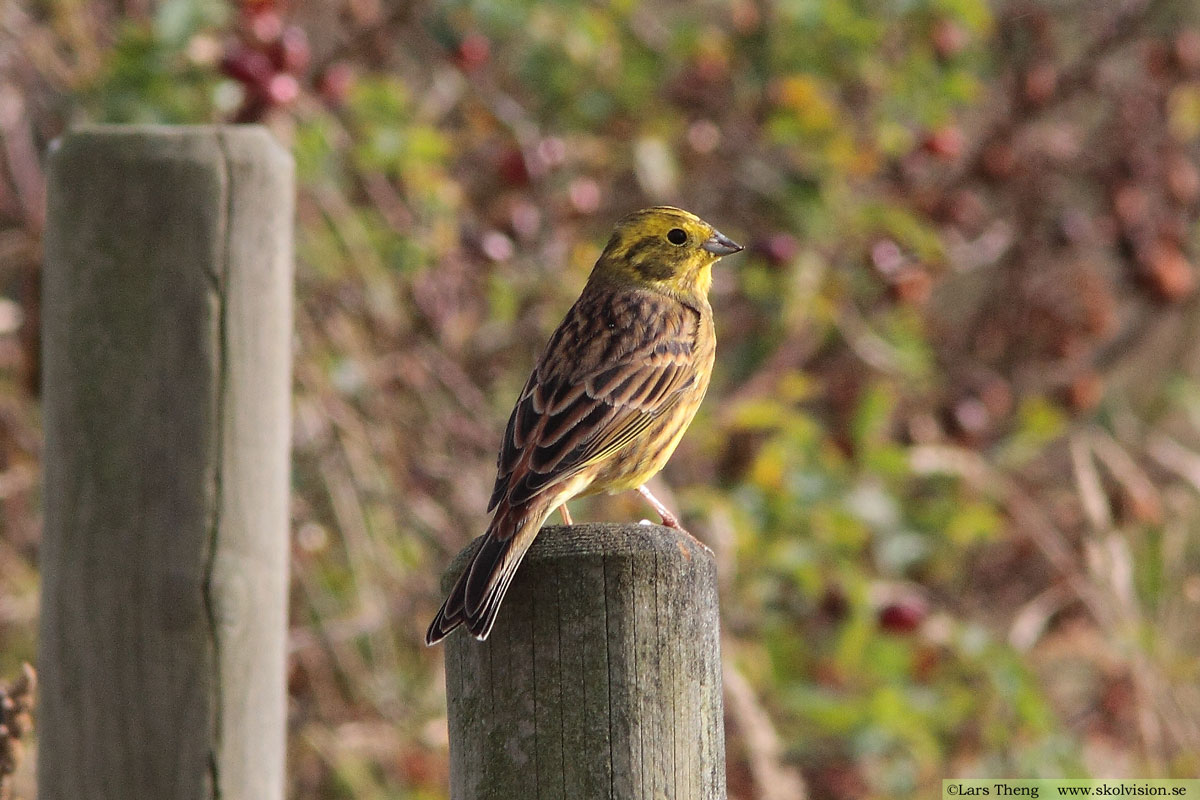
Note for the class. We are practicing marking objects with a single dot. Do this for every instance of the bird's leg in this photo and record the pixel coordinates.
(668, 519)
(566, 515)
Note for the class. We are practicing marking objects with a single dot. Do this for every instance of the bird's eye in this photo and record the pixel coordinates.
(677, 236)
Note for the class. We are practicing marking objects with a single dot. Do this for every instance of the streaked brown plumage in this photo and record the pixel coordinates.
(609, 399)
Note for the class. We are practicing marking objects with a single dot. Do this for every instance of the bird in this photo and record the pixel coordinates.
(608, 401)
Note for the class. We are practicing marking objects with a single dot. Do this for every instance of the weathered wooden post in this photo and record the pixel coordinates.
(167, 331)
(601, 679)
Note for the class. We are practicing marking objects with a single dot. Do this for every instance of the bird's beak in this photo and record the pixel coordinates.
(721, 245)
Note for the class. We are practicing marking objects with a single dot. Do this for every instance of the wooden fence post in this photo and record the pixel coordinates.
(167, 299)
(601, 679)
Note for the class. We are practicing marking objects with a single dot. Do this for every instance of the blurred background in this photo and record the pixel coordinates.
(950, 459)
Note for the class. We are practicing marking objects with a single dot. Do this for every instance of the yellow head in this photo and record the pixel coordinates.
(663, 248)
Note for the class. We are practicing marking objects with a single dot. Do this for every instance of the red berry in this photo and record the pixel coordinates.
(902, 616)
(1168, 272)
(1040, 83)
(971, 417)
(335, 82)
(585, 195)
(552, 152)
(912, 285)
(473, 51)
(512, 167)
(887, 257)
(946, 142)
(525, 219)
(948, 38)
(265, 25)
(251, 67)
(282, 89)
(496, 246)
(1187, 49)
(1085, 392)
(291, 52)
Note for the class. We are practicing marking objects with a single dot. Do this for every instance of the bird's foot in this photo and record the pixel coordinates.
(668, 518)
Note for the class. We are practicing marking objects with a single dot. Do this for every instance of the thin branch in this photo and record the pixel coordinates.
(774, 779)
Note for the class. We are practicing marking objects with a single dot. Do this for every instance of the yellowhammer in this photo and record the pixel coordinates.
(610, 398)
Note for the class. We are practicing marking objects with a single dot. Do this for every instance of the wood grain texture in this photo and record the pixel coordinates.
(601, 679)
(166, 344)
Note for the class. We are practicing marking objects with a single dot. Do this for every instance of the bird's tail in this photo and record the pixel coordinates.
(475, 597)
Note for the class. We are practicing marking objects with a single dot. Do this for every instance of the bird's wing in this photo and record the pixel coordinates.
(616, 363)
